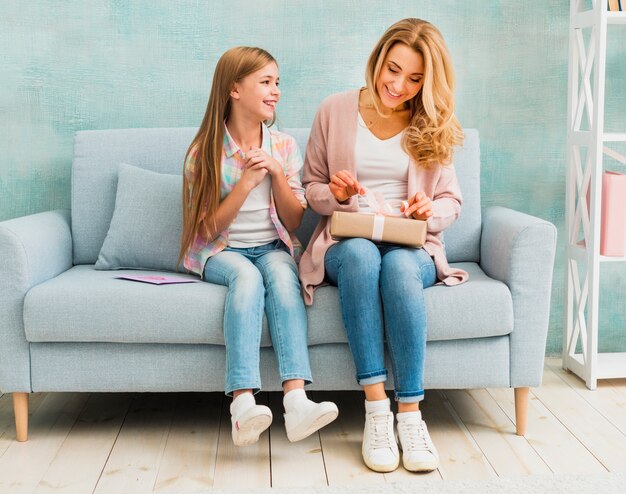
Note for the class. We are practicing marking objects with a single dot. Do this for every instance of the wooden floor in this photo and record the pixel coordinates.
(164, 443)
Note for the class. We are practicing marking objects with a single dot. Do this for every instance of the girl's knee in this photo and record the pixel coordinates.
(247, 277)
(280, 267)
(284, 284)
(280, 273)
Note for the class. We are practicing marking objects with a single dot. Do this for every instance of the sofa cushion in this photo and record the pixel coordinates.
(97, 155)
(147, 221)
(462, 238)
(84, 305)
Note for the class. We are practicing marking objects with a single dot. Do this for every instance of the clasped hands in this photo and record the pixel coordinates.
(343, 186)
(258, 164)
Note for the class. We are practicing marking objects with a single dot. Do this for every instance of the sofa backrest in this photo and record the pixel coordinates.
(98, 153)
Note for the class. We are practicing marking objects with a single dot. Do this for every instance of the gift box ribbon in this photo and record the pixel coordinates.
(380, 208)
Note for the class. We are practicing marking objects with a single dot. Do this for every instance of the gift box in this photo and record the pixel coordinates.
(378, 228)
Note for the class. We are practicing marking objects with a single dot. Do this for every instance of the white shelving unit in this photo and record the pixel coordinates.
(589, 22)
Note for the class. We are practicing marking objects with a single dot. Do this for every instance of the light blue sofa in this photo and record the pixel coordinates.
(68, 327)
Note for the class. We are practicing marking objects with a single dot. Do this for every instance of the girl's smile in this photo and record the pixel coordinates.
(258, 93)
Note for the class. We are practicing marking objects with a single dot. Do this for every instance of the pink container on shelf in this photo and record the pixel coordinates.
(613, 226)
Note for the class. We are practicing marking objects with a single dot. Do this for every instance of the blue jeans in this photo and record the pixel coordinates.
(381, 290)
(260, 278)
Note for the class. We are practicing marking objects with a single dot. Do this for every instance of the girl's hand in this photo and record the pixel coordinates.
(252, 177)
(420, 207)
(258, 159)
(343, 186)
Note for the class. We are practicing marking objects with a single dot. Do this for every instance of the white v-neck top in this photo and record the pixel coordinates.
(381, 166)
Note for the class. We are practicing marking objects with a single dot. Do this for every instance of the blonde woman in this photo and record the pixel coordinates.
(395, 136)
(242, 198)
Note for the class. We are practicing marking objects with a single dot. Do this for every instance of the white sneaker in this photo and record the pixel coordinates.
(418, 451)
(303, 417)
(380, 450)
(248, 420)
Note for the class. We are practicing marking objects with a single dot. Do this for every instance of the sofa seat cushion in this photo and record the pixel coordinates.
(85, 305)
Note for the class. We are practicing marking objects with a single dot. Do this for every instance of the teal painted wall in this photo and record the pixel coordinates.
(72, 65)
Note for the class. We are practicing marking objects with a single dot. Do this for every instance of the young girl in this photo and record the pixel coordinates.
(242, 197)
(394, 137)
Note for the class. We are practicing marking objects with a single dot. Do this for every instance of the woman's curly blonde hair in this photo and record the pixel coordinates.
(433, 129)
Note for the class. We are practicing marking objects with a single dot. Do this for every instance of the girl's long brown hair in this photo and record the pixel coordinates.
(433, 130)
(201, 189)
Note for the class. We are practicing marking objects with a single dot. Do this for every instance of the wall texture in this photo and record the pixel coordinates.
(72, 65)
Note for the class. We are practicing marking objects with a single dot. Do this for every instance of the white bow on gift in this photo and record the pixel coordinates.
(380, 208)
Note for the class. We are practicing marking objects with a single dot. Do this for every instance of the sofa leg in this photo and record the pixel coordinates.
(521, 410)
(20, 409)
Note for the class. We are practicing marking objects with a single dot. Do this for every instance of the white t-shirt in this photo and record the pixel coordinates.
(253, 225)
(381, 165)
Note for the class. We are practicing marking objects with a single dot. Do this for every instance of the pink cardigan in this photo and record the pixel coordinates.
(331, 149)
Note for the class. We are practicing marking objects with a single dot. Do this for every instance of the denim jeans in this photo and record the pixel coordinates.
(260, 278)
(381, 290)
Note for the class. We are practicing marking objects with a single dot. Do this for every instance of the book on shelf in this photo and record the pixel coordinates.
(613, 223)
(616, 5)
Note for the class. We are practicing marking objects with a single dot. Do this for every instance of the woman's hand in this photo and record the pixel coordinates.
(258, 159)
(420, 207)
(343, 186)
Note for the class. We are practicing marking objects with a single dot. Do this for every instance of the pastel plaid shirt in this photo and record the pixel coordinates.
(282, 148)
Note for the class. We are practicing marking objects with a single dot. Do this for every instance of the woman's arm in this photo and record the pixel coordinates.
(316, 176)
(447, 200)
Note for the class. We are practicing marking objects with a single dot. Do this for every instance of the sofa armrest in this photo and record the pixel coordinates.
(519, 249)
(33, 249)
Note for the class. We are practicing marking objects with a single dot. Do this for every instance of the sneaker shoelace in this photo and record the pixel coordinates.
(380, 436)
(414, 435)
